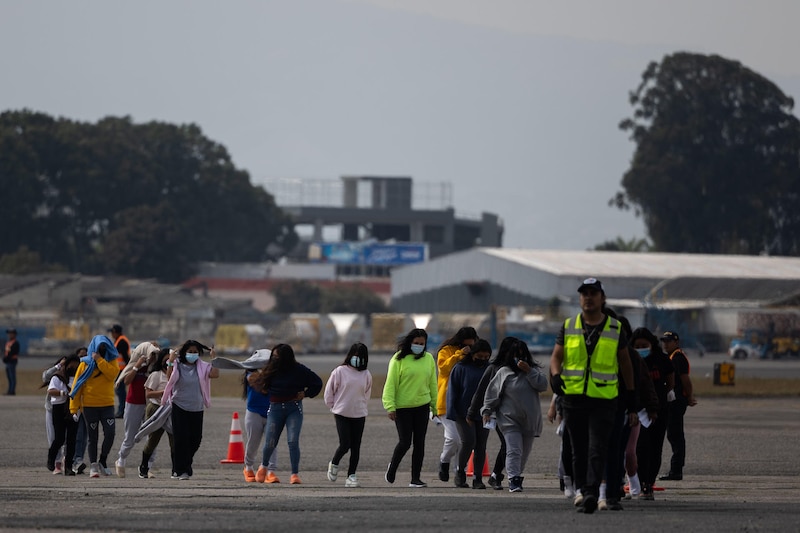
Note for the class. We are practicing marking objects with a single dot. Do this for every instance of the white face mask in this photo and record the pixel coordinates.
(416, 349)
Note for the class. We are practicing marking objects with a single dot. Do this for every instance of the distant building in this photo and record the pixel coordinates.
(359, 211)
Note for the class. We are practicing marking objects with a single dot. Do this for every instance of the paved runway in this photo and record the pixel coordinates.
(742, 474)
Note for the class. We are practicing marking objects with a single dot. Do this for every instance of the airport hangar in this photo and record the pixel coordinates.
(707, 297)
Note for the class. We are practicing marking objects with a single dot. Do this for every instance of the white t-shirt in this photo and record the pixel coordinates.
(57, 384)
(156, 381)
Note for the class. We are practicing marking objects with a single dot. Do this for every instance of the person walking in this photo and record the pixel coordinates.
(47, 375)
(450, 353)
(347, 395)
(188, 390)
(409, 396)
(92, 395)
(123, 346)
(134, 377)
(684, 397)
(287, 382)
(255, 423)
(495, 364)
(65, 427)
(464, 380)
(513, 399)
(10, 358)
(650, 445)
(589, 355)
(154, 391)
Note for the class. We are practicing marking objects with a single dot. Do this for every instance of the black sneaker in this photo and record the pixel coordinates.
(672, 476)
(143, 471)
(390, 474)
(495, 481)
(79, 469)
(613, 505)
(460, 480)
(417, 484)
(589, 504)
(68, 472)
(477, 484)
(444, 472)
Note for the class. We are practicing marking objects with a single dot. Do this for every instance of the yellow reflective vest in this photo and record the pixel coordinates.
(595, 377)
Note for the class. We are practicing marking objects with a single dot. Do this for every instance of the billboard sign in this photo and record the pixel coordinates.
(354, 253)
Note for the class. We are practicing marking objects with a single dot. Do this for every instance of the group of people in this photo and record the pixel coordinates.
(617, 394)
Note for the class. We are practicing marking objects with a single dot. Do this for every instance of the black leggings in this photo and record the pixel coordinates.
(473, 440)
(350, 431)
(65, 429)
(187, 432)
(412, 426)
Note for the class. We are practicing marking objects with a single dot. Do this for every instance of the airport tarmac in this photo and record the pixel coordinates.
(742, 474)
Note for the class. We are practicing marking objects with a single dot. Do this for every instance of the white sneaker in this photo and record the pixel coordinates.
(184, 477)
(94, 470)
(578, 499)
(602, 505)
(333, 471)
(351, 481)
(58, 469)
(120, 469)
(569, 488)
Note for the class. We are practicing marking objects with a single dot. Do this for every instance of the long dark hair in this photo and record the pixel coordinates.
(62, 372)
(481, 345)
(285, 360)
(463, 334)
(404, 345)
(646, 334)
(516, 349)
(188, 344)
(360, 350)
(159, 362)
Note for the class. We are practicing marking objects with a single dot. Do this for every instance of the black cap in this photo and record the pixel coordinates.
(591, 283)
(11, 330)
(116, 328)
(670, 336)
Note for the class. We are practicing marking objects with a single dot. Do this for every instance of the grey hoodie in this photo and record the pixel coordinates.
(514, 398)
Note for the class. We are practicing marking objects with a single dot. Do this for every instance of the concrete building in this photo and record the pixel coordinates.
(383, 209)
(708, 297)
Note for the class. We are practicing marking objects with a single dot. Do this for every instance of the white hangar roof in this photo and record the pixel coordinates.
(549, 273)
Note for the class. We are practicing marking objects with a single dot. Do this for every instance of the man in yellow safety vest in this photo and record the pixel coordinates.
(590, 354)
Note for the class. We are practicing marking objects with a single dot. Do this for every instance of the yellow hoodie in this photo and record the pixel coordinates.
(448, 357)
(98, 391)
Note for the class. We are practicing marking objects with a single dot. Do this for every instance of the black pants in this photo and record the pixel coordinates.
(96, 417)
(649, 448)
(589, 427)
(350, 431)
(412, 426)
(65, 429)
(500, 460)
(187, 432)
(675, 435)
(473, 440)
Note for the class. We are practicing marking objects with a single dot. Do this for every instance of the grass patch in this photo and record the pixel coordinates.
(229, 385)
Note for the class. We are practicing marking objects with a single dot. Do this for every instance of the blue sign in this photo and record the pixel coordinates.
(354, 253)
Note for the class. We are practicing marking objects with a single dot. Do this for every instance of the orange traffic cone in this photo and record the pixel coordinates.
(235, 443)
(471, 469)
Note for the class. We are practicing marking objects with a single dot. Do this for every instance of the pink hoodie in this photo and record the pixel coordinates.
(348, 391)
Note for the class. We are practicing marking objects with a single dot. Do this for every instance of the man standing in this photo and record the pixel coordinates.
(683, 396)
(123, 346)
(10, 359)
(589, 355)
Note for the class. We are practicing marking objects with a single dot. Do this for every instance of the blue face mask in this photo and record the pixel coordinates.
(192, 357)
(355, 361)
(644, 352)
(416, 349)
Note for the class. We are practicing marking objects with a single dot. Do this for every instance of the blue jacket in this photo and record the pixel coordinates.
(464, 380)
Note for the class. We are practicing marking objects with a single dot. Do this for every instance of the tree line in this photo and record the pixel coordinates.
(143, 200)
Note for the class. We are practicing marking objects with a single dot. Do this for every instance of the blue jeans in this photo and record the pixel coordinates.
(11, 374)
(284, 414)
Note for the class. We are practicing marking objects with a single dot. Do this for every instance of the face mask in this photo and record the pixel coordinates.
(644, 352)
(480, 362)
(416, 349)
(192, 357)
(355, 361)
(71, 372)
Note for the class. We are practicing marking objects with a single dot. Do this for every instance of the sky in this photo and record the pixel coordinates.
(516, 103)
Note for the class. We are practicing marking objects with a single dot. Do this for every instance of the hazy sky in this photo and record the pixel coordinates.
(514, 102)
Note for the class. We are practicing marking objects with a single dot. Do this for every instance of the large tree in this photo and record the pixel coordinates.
(717, 161)
(146, 200)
